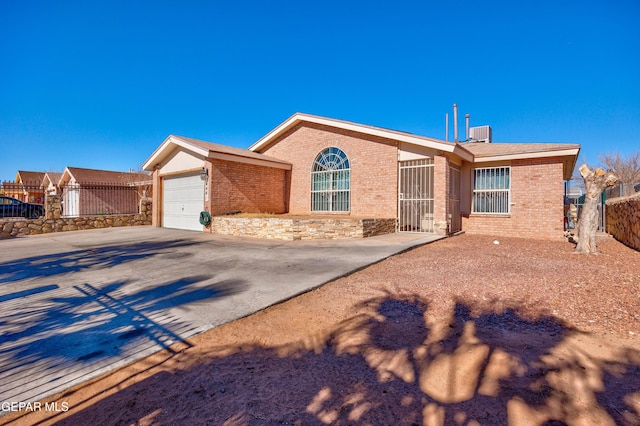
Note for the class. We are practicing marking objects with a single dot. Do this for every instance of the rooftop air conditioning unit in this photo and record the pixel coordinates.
(480, 134)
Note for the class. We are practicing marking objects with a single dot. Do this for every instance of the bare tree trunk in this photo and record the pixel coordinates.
(595, 181)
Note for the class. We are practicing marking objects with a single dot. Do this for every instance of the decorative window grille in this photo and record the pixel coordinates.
(331, 182)
(492, 190)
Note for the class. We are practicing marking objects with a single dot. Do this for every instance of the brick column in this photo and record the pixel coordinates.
(440, 188)
(155, 197)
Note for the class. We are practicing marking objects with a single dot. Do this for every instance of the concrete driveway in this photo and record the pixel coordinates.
(75, 305)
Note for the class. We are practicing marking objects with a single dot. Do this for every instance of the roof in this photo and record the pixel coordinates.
(210, 150)
(486, 152)
(53, 177)
(29, 178)
(473, 152)
(102, 176)
(411, 138)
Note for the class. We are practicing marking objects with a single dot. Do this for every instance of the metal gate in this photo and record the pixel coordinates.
(71, 198)
(455, 220)
(415, 196)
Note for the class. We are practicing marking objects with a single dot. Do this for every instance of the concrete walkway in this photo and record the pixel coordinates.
(76, 305)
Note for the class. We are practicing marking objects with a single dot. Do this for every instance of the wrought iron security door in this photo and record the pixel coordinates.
(455, 220)
(415, 196)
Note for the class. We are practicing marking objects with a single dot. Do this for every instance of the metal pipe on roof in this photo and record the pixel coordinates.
(466, 117)
(455, 123)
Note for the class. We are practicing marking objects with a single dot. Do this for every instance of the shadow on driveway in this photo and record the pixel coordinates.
(50, 343)
(77, 260)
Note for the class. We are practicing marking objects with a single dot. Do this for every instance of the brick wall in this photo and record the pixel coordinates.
(247, 188)
(373, 160)
(537, 203)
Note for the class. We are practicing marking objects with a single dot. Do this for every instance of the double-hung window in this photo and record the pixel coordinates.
(492, 190)
(331, 182)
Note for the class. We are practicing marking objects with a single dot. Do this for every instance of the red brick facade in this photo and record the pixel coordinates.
(373, 160)
(277, 177)
(536, 203)
(247, 188)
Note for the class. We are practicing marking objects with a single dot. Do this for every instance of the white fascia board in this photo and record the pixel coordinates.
(66, 176)
(264, 141)
(167, 147)
(528, 155)
(297, 118)
(249, 160)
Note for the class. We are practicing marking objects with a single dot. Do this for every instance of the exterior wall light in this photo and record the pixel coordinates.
(204, 174)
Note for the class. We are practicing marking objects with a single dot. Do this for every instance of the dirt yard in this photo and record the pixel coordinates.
(462, 331)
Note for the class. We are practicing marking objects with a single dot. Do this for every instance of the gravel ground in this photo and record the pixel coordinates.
(467, 330)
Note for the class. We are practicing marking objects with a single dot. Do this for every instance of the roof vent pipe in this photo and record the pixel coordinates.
(455, 123)
(466, 117)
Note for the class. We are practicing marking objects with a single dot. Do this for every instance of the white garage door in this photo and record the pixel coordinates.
(182, 202)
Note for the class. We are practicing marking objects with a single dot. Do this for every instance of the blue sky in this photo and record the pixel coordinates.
(100, 84)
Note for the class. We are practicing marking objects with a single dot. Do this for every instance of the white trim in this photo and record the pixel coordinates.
(166, 145)
(66, 174)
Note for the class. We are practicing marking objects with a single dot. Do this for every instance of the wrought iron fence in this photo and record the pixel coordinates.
(21, 200)
(85, 199)
(622, 190)
(98, 198)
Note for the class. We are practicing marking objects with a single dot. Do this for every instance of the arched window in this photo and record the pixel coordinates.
(331, 181)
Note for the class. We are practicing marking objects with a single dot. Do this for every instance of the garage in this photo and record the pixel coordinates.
(182, 202)
(191, 176)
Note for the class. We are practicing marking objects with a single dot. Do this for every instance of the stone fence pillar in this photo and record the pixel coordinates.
(145, 208)
(53, 207)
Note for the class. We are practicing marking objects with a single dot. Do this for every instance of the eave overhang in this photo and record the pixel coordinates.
(209, 150)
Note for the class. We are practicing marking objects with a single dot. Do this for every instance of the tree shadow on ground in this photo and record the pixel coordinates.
(621, 380)
(78, 260)
(387, 365)
(86, 327)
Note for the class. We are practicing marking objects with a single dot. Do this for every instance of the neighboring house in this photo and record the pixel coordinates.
(50, 183)
(102, 192)
(312, 165)
(27, 187)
